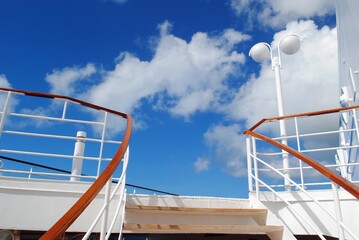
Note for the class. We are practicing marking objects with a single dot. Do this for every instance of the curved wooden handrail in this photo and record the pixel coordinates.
(306, 114)
(53, 96)
(344, 183)
(75, 211)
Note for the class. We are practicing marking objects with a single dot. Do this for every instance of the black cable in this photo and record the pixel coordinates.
(34, 164)
(150, 189)
(65, 171)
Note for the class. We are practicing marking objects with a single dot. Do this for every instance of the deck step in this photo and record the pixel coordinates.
(192, 210)
(199, 229)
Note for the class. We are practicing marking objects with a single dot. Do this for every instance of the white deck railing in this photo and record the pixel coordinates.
(38, 140)
(317, 136)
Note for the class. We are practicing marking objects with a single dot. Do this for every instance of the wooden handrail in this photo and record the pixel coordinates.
(76, 210)
(53, 96)
(342, 182)
(307, 114)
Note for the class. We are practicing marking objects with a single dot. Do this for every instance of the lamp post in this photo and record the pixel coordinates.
(260, 52)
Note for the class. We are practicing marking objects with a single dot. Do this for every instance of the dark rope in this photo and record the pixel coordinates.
(65, 171)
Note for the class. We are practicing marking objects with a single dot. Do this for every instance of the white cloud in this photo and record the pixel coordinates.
(199, 100)
(276, 13)
(184, 72)
(66, 81)
(186, 77)
(190, 75)
(183, 77)
(201, 165)
(228, 143)
(4, 82)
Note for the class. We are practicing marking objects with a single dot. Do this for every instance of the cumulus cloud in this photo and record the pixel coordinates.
(67, 81)
(185, 77)
(228, 143)
(276, 13)
(179, 71)
(191, 76)
(201, 165)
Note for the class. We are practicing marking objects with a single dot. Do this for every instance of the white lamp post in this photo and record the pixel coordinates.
(260, 52)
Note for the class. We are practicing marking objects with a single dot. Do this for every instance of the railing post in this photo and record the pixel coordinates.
(102, 144)
(105, 214)
(5, 109)
(64, 110)
(299, 150)
(352, 160)
(1, 166)
(78, 155)
(254, 147)
(30, 174)
(249, 164)
(123, 213)
(356, 124)
(338, 212)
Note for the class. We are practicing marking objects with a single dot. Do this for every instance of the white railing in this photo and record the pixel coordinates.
(316, 136)
(120, 187)
(38, 140)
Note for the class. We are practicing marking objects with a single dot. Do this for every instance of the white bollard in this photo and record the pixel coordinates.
(78, 155)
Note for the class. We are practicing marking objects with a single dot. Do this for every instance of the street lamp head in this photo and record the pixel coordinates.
(290, 44)
(260, 52)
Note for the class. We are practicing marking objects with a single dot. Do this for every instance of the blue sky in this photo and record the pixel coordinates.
(181, 68)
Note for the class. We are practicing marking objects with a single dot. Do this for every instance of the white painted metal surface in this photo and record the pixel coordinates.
(45, 168)
(289, 44)
(36, 204)
(316, 217)
(348, 35)
(266, 178)
(40, 197)
(78, 155)
(47, 137)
